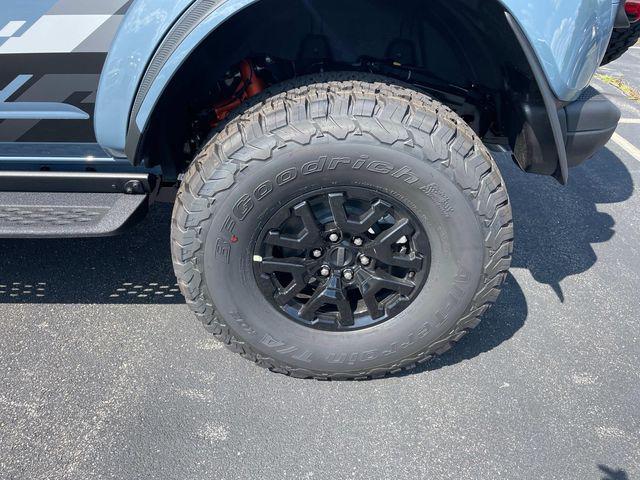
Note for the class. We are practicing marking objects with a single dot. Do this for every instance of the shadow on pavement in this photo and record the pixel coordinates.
(555, 229)
(555, 226)
(498, 325)
(611, 474)
(134, 267)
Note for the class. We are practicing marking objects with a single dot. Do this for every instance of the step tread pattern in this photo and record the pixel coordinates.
(58, 214)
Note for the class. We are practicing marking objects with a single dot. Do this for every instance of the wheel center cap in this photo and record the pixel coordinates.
(340, 257)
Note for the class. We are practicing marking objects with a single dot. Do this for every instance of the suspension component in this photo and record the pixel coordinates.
(250, 85)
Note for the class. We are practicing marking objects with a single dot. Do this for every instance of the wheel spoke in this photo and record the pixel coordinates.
(287, 294)
(346, 314)
(381, 247)
(401, 228)
(287, 265)
(296, 268)
(373, 306)
(364, 222)
(375, 213)
(332, 293)
(307, 238)
(311, 228)
(336, 203)
(370, 284)
(400, 285)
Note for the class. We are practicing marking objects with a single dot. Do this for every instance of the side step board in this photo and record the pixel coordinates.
(56, 215)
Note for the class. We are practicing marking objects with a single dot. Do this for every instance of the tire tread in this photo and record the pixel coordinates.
(621, 41)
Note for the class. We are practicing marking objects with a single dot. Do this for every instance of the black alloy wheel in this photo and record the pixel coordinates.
(342, 259)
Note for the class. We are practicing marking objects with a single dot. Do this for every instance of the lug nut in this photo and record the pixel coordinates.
(412, 275)
(364, 260)
(325, 271)
(358, 242)
(334, 237)
(317, 253)
(348, 275)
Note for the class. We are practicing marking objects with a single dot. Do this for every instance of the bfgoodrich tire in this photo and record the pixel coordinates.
(276, 213)
(621, 41)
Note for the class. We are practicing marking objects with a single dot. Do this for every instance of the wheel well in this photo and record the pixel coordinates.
(463, 53)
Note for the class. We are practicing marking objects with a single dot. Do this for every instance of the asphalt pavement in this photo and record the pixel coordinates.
(626, 67)
(105, 374)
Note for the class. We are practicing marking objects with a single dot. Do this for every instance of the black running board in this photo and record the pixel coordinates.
(86, 182)
(59, 215)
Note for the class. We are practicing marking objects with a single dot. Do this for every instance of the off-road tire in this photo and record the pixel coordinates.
(621, 41)
(337, 112)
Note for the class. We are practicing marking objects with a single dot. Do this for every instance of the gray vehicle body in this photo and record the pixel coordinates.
(83, 81)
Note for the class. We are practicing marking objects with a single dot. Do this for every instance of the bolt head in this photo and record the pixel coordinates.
(348, 274)
(325, 271)
(317, 253)
(364, 260)
(358, 242)
(334, 237)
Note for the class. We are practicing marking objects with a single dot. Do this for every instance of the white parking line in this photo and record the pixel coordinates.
(626, 146)
(630, 120)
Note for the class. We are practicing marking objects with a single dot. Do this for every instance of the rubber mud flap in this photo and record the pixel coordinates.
(590, 123)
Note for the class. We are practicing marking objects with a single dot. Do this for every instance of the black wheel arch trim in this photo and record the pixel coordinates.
(194, 15)
(551, 103)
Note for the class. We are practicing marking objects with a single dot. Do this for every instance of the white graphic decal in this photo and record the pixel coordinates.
(11, 28)
(55, 34)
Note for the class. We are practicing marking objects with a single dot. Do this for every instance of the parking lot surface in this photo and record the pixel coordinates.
(626, 67)
(105, 373)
